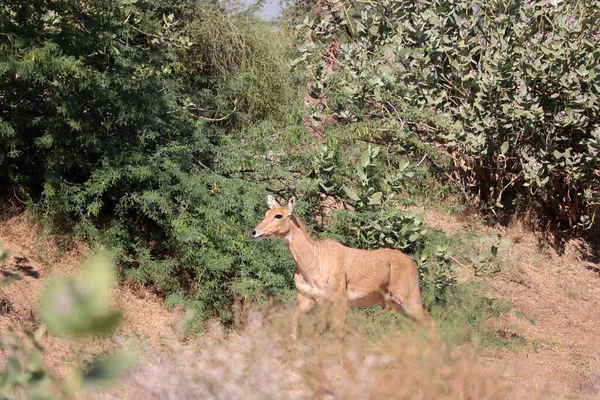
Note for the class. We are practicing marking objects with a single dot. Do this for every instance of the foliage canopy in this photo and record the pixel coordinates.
(113, 120)
(510, 90)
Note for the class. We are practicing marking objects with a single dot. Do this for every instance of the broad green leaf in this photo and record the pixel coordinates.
(375, 198)
(419, 218)
(361, 172)
(365, 158)
(504, 148)
(106, 369)
(82, 306)
(582, 70)
(484, 255)
(351, 193)
(96, 280)
(414, 237)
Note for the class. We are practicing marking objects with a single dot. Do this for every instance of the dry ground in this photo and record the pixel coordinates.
(555, 308)
(34, 258)
(560, 358)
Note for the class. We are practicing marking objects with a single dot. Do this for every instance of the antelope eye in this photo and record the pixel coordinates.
(278, 216)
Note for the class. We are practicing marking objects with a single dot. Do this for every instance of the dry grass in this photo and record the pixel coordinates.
(555, 309)
(34, 257)
(261, 361)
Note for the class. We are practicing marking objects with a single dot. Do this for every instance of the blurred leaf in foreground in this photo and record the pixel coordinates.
(82, 306)
(105, 369)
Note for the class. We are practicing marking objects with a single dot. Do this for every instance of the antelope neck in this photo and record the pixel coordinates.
(304, 249)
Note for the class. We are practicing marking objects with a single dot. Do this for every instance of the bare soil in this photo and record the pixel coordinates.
(555, 309)
(33, 258)
(555, 312)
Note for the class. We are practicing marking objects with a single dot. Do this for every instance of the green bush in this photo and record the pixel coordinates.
(241, 61)
(516, 84)
(109, 129)
(128, 123)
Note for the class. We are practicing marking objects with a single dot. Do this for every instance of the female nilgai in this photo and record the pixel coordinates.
(328, 271)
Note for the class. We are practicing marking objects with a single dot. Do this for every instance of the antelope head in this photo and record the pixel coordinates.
(277, 220)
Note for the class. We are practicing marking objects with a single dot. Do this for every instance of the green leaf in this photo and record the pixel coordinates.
(494, 251)
(96, 280)
(361, 172)
(375, 198)
(105, 323)
(504, 148)
(83, 306)
(351, 193)
(419, 218)
(365, 158)
(375, 151)
(484, 255)
(414, 237)
(106, 369)
(582, 70)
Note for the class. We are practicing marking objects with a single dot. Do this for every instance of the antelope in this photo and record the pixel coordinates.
(329, 272)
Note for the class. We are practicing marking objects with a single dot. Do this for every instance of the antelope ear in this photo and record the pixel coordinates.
(272, 202)
(291, 204)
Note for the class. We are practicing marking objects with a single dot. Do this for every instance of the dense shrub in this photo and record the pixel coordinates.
(158, 127)
(108, 128)
(244, 58)
(509, 89)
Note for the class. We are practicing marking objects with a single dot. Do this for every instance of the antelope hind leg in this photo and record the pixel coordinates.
(413, 309)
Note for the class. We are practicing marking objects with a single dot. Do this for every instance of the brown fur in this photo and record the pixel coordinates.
(327, 271)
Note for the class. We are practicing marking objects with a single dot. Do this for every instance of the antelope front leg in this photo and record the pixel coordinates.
(303, 305)
(340, 309)
(339, 287)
